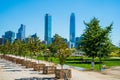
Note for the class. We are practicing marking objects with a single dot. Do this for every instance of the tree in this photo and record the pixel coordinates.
(95, 39)
(47, 55)
(7, 47)
(63, 53)
(37, 50)
(16, 47)
(61, 49)
(35, 47)
(119, 50)
(24, 49)
(31, 47)
(2, 49)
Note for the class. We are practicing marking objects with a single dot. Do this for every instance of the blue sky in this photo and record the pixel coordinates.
(31, 13)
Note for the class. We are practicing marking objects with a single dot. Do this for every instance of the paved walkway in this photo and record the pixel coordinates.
(11, 71)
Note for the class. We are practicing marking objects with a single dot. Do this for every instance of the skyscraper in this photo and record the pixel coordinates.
(1, 41)
(72, 31)
(9, 35)
(34, 36)
(48, 23)
(21, 32)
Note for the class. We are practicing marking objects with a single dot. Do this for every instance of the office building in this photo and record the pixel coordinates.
(48, 25)
(21, 32)
(72, 31)
(34, 36)
(1, 41)
(9, 35)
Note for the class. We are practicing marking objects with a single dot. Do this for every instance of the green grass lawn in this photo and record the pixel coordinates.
(76, 61)
(109, 62)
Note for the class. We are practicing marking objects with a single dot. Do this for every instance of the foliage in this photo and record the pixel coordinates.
(48, 55)
(61, 49)
(115, 53)
(35, 47)
(95, 40)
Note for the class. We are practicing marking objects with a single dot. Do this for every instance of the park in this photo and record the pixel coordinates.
(98, 57)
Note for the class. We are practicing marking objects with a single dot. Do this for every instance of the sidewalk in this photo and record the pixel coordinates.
(11, 71)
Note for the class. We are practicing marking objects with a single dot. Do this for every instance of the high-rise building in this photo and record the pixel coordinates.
(34, 36)
(72, 31)
(77, 41)
(48, 25)
(9, 35)
(21, 32)
(1, 41)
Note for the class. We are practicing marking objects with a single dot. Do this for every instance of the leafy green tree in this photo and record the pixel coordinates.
(53, 49)
(35, 47)
(16, 47)
(63, 53)
(47, 55)
(61, 49)
(95, 40)
(7, 47)
(24, 49)
(31, 47)
(119, 50)
(2, 49)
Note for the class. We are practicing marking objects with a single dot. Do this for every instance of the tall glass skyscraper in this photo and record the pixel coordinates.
(48, 23)
(21, 32)
(72, 31)
(9, 35)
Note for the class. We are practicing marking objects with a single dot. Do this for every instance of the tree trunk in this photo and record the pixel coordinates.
(38, 59)
(100, 62)
(61, 66)
(92, 63)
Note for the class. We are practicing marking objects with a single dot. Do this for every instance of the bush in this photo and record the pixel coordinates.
(113, 54)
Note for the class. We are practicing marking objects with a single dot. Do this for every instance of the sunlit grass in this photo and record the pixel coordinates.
(109, 62)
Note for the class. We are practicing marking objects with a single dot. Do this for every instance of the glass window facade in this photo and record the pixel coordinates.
(72, 31)
(48, 23)
(21, 32)
(10, 36)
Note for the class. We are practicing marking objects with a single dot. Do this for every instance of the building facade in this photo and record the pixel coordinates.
(48, 25)
(34, 36)
(21, 32)
(9, 35)
(1, 41)
(78, 39)
(72, 31)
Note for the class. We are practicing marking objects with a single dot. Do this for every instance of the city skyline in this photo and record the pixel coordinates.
(32, 12)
